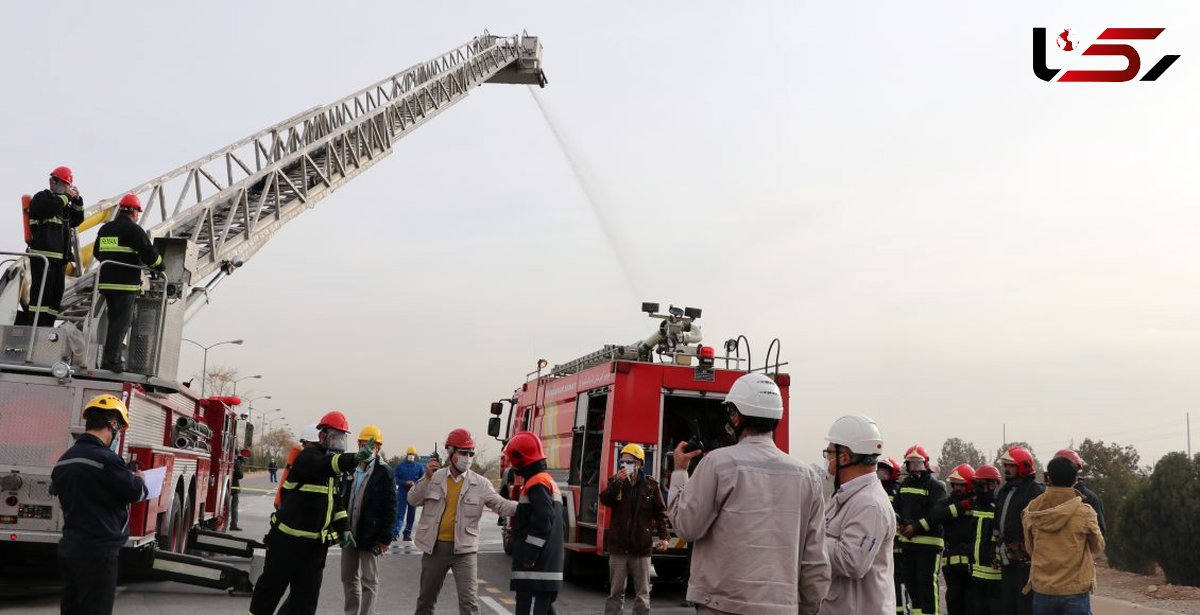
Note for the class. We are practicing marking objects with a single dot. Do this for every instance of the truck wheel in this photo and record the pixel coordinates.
(174, 538)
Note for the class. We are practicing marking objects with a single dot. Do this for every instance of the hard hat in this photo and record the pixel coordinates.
(130, 201)
(63, 174)
(636, 450)
(412, 450)
(916, 452)
(335, 420)
(311, 433)
(756, 395)
(460, 438)
(1021, 458)
(107, 402)
(891, 466)
(858, 433)
(523, 449)
(987, 471)
(963, 473)
(371, 431)
(1073, 456)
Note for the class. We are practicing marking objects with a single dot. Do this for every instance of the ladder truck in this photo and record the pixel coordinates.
(656, 392)
(206, 218)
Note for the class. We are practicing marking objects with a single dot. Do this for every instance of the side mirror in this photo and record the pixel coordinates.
(494, 426)
(497, 408)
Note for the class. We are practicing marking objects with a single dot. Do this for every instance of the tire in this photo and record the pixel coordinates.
(174, 536)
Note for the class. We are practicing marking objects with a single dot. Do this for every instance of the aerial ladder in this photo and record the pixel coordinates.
(211, 215)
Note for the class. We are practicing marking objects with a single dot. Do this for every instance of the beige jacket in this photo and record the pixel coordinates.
(1062, 535)
(756, 519)
(860, 528)
(477, 492)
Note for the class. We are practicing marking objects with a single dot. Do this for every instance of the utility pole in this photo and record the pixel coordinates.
(1189, 433)
(1004, 434)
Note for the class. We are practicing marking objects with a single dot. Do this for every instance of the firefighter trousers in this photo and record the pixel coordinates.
(983, 597)
(536, 603)
(89, 582)
(921, 566)
(1013, 578)
(119, 307)
(54, 274)
(294, 563)
(958, 579)
(898, 580)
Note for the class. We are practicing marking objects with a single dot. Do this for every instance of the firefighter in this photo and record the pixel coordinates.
(1018, 491)
(920, 546)
(371, 503)
(407, 473)
(537, 559)
(889, 476)
(452, 500)
(983, 594)
(122, 241)
(308, 520)
(638, 511)
(860, 524)
(951, 514)
(235, 494)
(53, 213)
(751, 507)
(1089, 496)
(95, 489)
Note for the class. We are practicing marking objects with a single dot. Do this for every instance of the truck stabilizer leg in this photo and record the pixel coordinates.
(196, 570)
(220, 542)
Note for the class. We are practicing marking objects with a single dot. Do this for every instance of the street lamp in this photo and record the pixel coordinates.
(263, 418)
(204, 371)
(250, 407)
(241, 379)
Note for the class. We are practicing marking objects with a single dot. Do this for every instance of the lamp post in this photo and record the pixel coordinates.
(204, 370)
(241, 379)
(250, 407)
(263, 419)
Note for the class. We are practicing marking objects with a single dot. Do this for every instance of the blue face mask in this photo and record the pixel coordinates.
(115, 445)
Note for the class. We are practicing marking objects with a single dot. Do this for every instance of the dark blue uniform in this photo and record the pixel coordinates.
(95, 489)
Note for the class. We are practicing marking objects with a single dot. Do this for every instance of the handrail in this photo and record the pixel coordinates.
(91, 341)
(34, 307)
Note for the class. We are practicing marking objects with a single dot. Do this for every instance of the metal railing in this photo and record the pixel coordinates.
(34, 307)
(91, 343)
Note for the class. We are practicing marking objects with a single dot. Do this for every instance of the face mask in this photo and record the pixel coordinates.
(115, 445)
(736, 432)
(462, 464)
(335, 441)
(884, 475)
(983, 494)
(629, 467)
(411, 458)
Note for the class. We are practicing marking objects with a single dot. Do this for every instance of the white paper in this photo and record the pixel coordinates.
(154, 481)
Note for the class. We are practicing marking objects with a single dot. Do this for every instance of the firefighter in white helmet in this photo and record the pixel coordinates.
(860, 525)
(754, 515)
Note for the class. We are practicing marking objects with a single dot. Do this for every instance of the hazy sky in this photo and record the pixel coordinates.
(941, 240)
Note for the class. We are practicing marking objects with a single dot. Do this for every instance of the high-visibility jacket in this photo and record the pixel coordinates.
(985, 564)
(537, 562)
(951, 514)
(309, 508)
(123, 241)
(918, 494)
(51, 218)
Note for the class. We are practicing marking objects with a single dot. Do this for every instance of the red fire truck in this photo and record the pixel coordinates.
(655, 392)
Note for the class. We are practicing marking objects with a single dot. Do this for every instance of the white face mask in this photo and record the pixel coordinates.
(411, 458)
(462, 464)
(884, 475)
(629, 466)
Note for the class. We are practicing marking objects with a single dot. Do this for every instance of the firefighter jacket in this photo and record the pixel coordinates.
(985, 563)
(372, 506)
(309, 508)
(918, 494)
(475, 494)
(1062, 536)
(860, 527)
(892, 489)
(51, 218)
(1093, 500)
(95, 489)
(756, 518)
(952, 514)
(123, 241)
(638, 511)
(1011, 500)
(537, 533)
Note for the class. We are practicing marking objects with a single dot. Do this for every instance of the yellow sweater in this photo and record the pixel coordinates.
(450, 515)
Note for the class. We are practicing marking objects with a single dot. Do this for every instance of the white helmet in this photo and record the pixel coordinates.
(310, 434)
(756, 395)
(857, 433)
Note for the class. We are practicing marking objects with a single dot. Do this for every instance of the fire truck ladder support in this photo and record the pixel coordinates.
(232, 201)
(196, 570)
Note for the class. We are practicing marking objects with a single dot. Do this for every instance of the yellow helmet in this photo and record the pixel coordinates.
(635, 450)
(412, 450)
(371, 431)
(107, 402)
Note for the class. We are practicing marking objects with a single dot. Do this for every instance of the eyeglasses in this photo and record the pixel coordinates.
(826, 454)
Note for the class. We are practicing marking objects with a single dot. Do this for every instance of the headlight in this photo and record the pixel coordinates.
(61, 370)
(11, 482)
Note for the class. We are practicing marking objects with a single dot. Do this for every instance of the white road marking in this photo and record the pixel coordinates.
(496, 607)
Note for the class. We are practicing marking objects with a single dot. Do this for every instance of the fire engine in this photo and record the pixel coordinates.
(206, 219)
(656, 392)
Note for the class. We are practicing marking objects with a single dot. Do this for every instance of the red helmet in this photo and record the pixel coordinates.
(916, 452)
(334, 419)
(523, 449)
(988, 471)
(131, 201)
(1073, 456)
(63, 174)
(963, 473)
(1021, 458)
(891, 466)
(460, 438)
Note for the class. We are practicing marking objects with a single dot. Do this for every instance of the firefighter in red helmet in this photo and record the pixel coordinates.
(537, 562)
(1018, 491)
(888, 471)
(1089, 497)
(126, 245)
(983, 594)
(53, 213)
(920, 545)
(951, 513)
(309, 519)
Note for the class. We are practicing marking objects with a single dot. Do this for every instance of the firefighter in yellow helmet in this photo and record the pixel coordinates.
(95, 488)
(407, 473)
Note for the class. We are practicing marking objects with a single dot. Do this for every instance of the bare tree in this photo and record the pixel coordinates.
(273, 445)
(219, 380)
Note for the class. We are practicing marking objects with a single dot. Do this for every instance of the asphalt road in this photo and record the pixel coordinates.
(37, 592)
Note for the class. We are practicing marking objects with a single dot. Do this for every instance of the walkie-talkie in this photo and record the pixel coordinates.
(434, 454)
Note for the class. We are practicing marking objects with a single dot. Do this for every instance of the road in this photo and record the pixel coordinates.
(36, 592)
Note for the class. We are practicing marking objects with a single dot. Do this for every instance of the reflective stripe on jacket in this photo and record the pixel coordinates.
(537, 536)
(309, 508)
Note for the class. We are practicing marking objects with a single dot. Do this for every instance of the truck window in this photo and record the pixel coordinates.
(587, 444)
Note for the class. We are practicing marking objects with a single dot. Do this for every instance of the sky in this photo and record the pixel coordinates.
(940, 240)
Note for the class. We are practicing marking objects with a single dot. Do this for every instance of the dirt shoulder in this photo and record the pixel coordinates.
(1146, 590)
